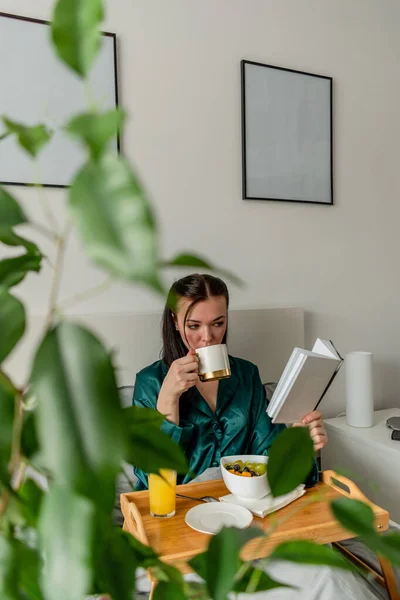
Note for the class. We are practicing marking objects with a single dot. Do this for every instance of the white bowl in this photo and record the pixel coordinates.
(245, 487)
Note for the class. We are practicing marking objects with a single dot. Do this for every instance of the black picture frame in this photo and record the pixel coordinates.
(111, 35)
(324, 87)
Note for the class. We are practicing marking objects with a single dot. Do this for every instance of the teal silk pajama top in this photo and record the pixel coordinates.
(240, 424)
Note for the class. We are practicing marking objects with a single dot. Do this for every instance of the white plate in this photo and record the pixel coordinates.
(211, 517)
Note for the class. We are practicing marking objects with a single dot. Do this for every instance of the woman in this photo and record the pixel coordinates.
(226, 417)
(216, 418)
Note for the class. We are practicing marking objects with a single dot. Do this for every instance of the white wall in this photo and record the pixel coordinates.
(179, 67)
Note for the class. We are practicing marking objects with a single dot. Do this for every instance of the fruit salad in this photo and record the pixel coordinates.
(246, 469)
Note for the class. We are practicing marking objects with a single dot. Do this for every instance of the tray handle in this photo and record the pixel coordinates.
(348, 488)
(344, 485)
(135, 525)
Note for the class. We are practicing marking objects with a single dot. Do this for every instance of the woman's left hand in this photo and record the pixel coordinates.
(316, 426)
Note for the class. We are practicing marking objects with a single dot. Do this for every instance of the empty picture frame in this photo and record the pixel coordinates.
(286, 134)
(38, 88)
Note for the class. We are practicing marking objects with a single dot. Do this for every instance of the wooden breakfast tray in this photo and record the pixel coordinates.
(309, 517)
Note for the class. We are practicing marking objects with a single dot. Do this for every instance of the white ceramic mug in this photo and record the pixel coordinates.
(213, 362)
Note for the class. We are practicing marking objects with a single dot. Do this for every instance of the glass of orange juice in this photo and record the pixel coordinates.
(162, 490)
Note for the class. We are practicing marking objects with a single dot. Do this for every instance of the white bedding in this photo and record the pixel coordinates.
(311, 583)
(314, 583)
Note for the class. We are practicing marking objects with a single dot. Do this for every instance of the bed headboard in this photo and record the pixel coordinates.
(265, 336)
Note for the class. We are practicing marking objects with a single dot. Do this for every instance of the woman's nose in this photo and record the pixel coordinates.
(207, 335)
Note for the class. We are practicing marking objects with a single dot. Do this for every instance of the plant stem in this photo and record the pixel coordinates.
(61, 242)
(19, 475)
(87, 294)
(61, 245)
(47, 210)
(253, 581)
(52, 221)
(44, 230)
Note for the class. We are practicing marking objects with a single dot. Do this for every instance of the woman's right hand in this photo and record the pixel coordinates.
(182, 375)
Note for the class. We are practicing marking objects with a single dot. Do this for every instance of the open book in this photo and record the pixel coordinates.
(304, 382)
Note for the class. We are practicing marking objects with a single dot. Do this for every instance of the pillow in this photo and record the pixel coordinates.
(126, 394)
(126, 481)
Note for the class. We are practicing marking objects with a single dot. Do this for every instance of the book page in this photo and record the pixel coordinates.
(279, 396)
(324, 348)
(287, 370)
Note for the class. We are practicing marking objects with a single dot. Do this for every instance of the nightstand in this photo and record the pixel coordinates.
(367, 456)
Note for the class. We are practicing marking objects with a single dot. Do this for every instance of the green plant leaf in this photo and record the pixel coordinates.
(151, 449)
(8, 570)
(31, 497)
(359, 518)
(75, 32)
(19, 571)
(13, 270)
(11, 214)
(290, 460)
(223, 557)
(7, 410)
(29, 569)
(5, 483)
(142, 552)
(23, 506)
(196, 590)
(199, 565)
(29, 439)
(309, 553)
(219, 565)
(254, 579)
(12, 321)
(137, 416)
(163, 572)
(31, 139)
(257, 580)
(79, 419)
(354, 515)
(172, 591)
(387, 545)
(118, 555)
(114, 218)
(197, 262)
(66, 529)
(115, 563)
(9, 238)
(96, 130)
